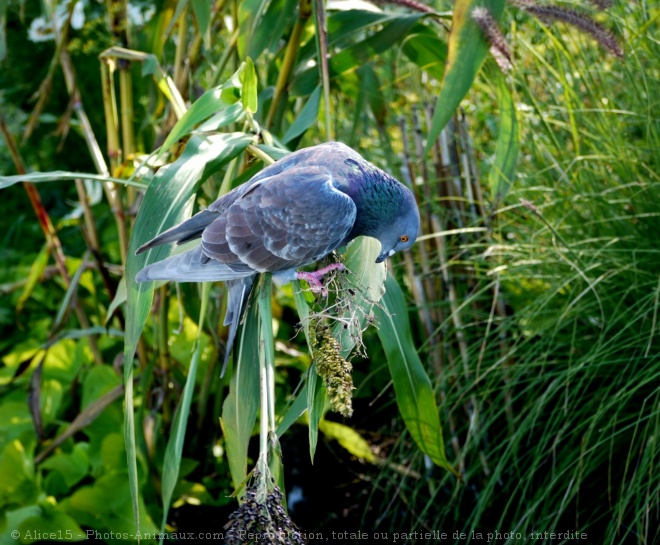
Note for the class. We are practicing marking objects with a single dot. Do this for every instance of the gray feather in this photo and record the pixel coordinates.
(184, 232)
(193, 266)
(238, 292)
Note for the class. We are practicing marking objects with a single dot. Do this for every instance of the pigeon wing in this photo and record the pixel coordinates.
(281, 222)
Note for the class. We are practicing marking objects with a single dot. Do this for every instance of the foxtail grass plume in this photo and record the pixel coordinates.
(499, 49)
(581, 21)
(335, 372)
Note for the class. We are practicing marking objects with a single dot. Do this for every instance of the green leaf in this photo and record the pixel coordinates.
(307, 116)
(70, 293)
(174, 449)
(168, 201)
(316, 398)
(50, 520)
(426, 50)
(249, 95)
(295, 411)
(202, 11)
(348, 438)
(58, 175)
(369, 279)
(36, 271)
(208, 104)
(119, 299)
(467, 50)
(412, 386)
(72, 467)
(261, 25)
(239, 411)
(370, 87)
(503, 170)
(351, 58)
(343, 26)
(226, 116)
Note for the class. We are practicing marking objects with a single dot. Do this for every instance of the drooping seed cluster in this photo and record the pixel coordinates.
(335, 372)
(262, 519)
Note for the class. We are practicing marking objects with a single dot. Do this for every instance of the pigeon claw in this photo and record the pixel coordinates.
(314, 279)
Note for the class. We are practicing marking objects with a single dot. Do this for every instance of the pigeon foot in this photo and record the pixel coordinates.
(314, 278)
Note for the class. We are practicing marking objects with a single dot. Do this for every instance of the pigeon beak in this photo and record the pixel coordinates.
(382, 257)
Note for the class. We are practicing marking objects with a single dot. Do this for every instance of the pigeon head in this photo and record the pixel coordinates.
(401, 232)
(386, 209)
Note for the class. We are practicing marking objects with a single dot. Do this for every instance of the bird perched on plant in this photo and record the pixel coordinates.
(291, 214)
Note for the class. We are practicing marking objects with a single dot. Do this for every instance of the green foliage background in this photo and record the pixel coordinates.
(533, 298)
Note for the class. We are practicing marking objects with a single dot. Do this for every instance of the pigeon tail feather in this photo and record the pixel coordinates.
(238, 292)
(188, 230)
(193, 266)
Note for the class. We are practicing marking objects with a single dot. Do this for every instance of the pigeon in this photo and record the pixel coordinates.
(291, 214)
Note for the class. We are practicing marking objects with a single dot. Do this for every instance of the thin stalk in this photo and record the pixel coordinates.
(108, 66)
(304, 11)
(266, 371)
(126, 105)
(322, 46)
(181, 49)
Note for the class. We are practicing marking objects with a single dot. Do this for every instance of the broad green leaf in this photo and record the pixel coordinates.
(36, 271)
(50, 520)
(356, 55)
(348, 438)
(412, 386)
(174, 449)
(249, 95)
(466, 52)
(202, 11)
(239, 410)
(426, 50)
(306, 118)
(261, 25)
(503, 169)
(72, 467)
(343, 27)
(208, 104)
(368, 277)
(370, 87)
(226, 116)
(168, 201)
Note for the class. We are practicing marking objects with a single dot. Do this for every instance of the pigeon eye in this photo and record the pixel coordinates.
(403, 238)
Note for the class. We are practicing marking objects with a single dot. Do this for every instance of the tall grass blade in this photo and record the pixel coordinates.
(503, 170)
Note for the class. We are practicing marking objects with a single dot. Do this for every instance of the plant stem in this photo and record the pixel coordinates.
(304, 11)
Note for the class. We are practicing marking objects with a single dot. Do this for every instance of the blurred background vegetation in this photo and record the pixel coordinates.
(533, 294)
